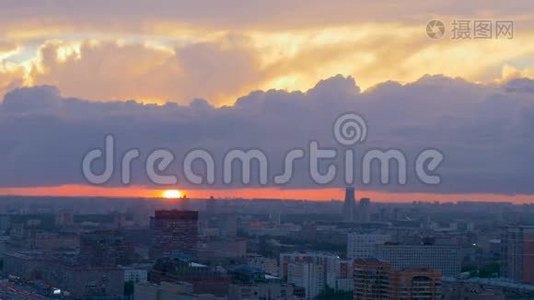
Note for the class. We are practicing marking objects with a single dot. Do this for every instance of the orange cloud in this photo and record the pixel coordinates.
(194, 52)
(113, 70)
(221, 68)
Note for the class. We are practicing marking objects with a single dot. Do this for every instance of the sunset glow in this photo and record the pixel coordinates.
(177, 79)
(341, 149)
(325, 194)
(171, 194)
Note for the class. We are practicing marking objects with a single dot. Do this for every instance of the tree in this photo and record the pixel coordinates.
(128, 289)
(331, 294)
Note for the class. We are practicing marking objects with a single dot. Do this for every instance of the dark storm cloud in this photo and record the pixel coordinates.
(485, 132)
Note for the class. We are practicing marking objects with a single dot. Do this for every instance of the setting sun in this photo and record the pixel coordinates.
(171, 194)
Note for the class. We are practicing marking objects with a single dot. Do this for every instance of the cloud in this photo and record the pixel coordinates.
(524, 85)
(41, 99)
(10, 78)
(109, 70)
(220, 66)
(227, 66)
(180, 51)
(486, 132)
(232, 14)
(7, 46)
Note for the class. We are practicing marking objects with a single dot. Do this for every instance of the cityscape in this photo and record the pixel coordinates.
(180, 248)
(266, 150)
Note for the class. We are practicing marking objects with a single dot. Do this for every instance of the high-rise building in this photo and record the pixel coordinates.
(363, 213)
(377, 279)
(349, 205)
(362, 245)
(444, 258)
(371, 279)
(344, 273)
(309, 275)
(311, 271)
(174, 231)
(517, 244)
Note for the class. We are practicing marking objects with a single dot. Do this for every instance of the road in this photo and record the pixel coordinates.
(12, 291)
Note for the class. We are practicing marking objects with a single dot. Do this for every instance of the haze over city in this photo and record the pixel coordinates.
(288, 150)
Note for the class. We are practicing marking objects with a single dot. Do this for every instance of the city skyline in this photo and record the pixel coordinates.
(266, 150)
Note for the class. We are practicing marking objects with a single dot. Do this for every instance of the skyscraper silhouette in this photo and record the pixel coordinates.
(363, 210)
(349, 205)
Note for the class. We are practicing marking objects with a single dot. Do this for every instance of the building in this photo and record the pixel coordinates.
(259, 291)
(204, 279)
(104, 248)
(471, 291)
(82, 282)
(25, 264)
(223, 248)
(518, 253)
(344, 273)
(362, 245)
(174, 231)
(212, 205)
(136, 273)
(349, 205)
(311, 271)
(418, 283)
(269, 265)
(168, 291)
(251, 283)
(64, 218)
(88, 282)
(377, 279)
(444, 258)
(371, 279)
(50, 241)
(225, 223)
(363, 212)
(308, 275)
(163, 290)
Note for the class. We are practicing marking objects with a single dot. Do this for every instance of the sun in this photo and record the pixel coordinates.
(171, 194)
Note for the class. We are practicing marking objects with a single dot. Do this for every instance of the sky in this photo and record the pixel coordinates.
(274, 75)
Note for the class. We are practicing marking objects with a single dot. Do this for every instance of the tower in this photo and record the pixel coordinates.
(363, 210)
(349, 205)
